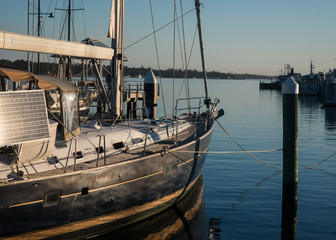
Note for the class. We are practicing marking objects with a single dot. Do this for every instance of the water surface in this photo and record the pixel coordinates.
(244, 194)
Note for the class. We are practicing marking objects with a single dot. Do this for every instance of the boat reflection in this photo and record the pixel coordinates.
(175, 219)
(309, 103)
(330, 119)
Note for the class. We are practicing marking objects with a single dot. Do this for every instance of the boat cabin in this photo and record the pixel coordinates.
(27, 127)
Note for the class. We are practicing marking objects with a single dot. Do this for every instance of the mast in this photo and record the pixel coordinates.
(311, 67)
(116, 33)
(28, 33)
(199, 23)
(38, 33)
(69, 20)
(69, 10)
(69, 28)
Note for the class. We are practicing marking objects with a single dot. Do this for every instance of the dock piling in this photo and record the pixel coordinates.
(290, 92)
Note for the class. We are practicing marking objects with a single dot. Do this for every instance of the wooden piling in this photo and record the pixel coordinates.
(151, 90)
(290, 91)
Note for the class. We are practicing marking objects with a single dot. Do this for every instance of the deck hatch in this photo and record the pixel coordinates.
(23, 117)
(118, 145)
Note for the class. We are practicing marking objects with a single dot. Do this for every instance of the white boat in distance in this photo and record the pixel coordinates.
(60, 177)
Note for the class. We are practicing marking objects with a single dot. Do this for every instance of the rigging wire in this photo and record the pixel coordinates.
(44, 33)
(185, 55)
(107, 70)
(180, 41)
(157, 59)
(62, 27)
(244, 148)
(321, 162)
(187, 66)
(74, 37)
(160, 28)
(32, 57)
(225, 152)
(174, 50)
(44, 20)
(83, 16)
(33, 5)
(53, 30)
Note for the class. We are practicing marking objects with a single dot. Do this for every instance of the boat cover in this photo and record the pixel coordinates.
(44, 82)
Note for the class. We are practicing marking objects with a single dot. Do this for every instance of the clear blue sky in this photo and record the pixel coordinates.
(242, 36)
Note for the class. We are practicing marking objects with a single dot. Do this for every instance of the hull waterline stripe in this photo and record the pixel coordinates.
(108, 186)
(100, 220)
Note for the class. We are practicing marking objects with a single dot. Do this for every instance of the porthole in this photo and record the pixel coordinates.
(52, 198)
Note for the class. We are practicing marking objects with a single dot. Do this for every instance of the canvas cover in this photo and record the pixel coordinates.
(44, 82)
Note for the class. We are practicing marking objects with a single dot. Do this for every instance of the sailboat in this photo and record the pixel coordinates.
(63, 177)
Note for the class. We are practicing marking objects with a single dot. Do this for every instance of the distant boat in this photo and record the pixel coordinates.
(330, 89)
(311, 84)
(276, 83)
(269, 84)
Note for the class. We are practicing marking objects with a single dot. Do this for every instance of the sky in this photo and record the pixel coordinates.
(240, 36)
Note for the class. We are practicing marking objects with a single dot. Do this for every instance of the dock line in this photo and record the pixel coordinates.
(246, 150)
(320, 163)
(225, 152)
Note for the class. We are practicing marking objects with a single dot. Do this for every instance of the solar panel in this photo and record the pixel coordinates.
(23, 117)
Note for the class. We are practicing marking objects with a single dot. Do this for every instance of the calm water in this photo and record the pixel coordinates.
(246, 195)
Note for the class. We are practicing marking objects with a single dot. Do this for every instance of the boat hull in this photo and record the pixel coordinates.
(107, 197)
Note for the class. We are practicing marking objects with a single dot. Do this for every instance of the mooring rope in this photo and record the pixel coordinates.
(224, 152)
(320, 163)
(246, 150)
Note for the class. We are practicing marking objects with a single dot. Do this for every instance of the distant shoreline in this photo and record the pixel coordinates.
(51, 68)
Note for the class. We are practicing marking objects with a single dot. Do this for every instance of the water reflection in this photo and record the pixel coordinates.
(289, 210)
(309, 102)
(330, 119)
(167, 223)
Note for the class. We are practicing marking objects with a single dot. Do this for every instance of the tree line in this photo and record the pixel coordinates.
(76, 68)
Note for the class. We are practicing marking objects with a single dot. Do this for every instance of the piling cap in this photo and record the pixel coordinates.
(150, 77)
(290, 86)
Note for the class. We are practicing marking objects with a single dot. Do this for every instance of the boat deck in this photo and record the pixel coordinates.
(31, 170)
